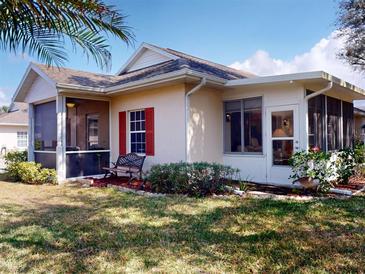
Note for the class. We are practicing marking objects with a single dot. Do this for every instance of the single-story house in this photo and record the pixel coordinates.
(14, 128)
(171, 107)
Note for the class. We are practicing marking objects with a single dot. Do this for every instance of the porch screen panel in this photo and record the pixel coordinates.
(47, 160)
(45, 127)
(316, 122)
(85, 164)
(333, 123)
(87, 125)
(232, 127)
(348, 124)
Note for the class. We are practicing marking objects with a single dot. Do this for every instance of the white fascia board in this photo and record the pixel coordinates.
(13, 124)
(139, 52)
(37, 70)
(312, 75)
(275, 78)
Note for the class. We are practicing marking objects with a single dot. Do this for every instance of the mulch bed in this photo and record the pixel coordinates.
(355, 183)
(120, 181)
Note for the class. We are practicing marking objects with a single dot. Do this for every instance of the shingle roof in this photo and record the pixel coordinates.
(18, 114)
(96, 80)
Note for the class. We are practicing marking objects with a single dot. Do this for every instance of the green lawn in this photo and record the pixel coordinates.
(62, 229)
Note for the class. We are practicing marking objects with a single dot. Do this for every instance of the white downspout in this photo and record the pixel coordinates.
(187, 114)
(319, 92)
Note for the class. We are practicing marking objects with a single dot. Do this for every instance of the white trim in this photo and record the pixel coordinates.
(86, 151)
(312, 75)
(144, 46)
(45, 151)
(36, 69)
(31, 132)
(13, 124)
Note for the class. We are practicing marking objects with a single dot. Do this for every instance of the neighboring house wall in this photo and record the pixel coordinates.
(205, 131)
(8, 136)
(40, 90)
(169, 110)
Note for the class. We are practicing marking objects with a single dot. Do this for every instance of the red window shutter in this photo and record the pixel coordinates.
(122, 133)
(150, 131)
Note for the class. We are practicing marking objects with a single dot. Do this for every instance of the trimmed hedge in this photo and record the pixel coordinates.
(194, 179)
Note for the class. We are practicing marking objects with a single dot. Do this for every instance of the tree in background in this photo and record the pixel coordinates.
(351, 23)
(4, 109)
(42, 28)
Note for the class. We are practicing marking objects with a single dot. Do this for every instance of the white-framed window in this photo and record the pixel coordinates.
(22, 139)
(243, 126)
(137, 131)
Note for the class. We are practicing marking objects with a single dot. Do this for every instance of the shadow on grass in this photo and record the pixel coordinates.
(234, 235)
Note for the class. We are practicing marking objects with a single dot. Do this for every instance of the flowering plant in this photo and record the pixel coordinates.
(328, 168)
(315, 165)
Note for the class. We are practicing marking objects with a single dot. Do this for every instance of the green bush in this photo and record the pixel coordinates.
(359, 153)
(16, 157)
(33, 173)
(12, 159)
(18, 169)
(194, 179)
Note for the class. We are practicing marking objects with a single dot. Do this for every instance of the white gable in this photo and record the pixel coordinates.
(40, 90)
(148, 58)
(146, 55)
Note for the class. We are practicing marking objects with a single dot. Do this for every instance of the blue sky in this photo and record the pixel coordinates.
(224, 31)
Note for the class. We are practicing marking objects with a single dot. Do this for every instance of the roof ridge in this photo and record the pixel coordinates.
(241, 72)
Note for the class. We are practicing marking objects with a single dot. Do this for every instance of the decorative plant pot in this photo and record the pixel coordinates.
(308, 183)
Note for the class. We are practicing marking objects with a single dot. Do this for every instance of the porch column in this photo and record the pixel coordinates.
(61, 138)
(30, 132)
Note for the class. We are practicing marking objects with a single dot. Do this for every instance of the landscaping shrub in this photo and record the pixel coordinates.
(12, 159)
(194, 179)
(33, 173)
(328, 168)
(18, 169)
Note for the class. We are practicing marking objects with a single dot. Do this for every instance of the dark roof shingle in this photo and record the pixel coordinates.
(96, 80)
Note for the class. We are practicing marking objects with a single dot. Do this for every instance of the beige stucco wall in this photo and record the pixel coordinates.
(169, 104)
(205, 135)
(8, 136)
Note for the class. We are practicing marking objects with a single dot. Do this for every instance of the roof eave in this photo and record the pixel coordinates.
(304, 76)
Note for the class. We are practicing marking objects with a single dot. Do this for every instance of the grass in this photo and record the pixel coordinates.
(54, 229)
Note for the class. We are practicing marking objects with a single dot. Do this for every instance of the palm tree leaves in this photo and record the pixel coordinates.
(42, 27)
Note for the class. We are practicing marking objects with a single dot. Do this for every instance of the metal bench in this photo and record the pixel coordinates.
(131, 164)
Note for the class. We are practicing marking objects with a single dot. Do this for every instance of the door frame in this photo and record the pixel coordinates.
(276, 173)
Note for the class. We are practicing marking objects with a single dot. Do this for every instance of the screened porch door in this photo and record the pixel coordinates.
(282, 141)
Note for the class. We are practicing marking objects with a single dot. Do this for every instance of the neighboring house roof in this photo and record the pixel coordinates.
(17, 115)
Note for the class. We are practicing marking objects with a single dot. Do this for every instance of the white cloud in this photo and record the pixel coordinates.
(4, 97)
(322, 56)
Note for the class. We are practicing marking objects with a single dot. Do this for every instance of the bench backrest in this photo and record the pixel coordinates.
(130, 160)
